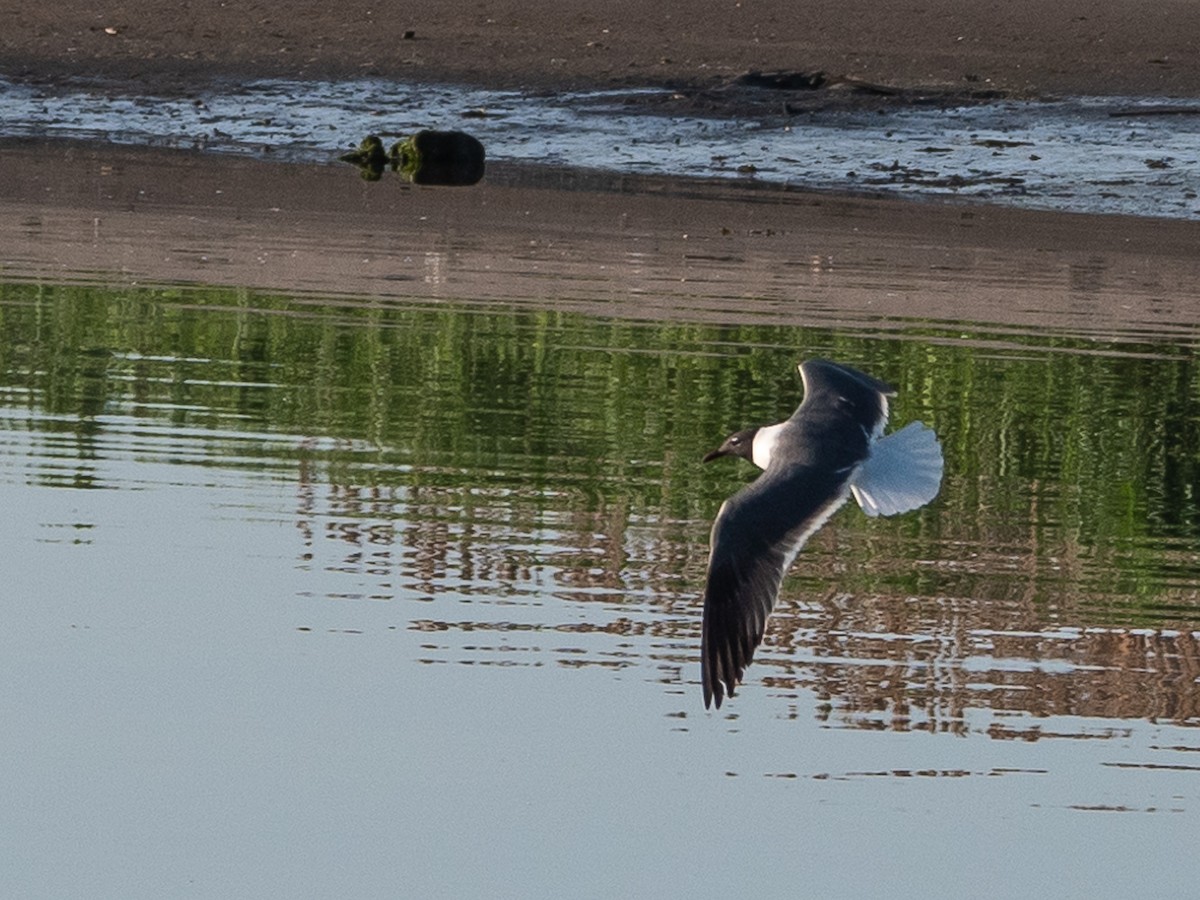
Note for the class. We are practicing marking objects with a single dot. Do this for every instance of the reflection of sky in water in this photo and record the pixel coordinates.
(343, 601)
(1082, 154)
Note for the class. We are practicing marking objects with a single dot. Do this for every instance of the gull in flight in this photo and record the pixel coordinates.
(832, 448)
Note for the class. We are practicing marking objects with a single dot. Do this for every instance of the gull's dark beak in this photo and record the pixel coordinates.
(734, 445)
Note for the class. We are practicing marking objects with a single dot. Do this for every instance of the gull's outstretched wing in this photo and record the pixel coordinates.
(835, 395)
(754, 540)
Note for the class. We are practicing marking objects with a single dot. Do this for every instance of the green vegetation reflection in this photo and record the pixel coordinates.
(1079, 470)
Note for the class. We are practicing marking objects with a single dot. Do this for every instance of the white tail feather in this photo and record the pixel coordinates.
(903, 472)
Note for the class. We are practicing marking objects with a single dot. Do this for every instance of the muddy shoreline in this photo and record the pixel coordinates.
(620, 246)
(1021, 48)
(166, 216)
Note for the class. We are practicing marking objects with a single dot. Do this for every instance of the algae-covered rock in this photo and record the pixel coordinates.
(439, 157)
(427, 157)
(369, 157)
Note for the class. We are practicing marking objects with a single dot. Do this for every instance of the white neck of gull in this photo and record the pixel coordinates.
(764, 443)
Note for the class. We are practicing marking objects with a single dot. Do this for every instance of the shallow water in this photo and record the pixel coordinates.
(1109, 155)
(313, 597)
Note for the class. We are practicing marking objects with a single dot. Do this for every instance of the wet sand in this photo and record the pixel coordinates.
(1073, 46)
(169, 216)
(609, 245)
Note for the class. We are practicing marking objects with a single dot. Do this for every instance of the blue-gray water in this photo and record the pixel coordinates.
(308, 597)
(1108, 155)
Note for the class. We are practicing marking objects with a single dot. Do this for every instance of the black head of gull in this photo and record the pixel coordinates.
(830, 449)
(740, 443)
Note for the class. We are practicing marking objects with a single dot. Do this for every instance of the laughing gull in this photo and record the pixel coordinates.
(831, 448)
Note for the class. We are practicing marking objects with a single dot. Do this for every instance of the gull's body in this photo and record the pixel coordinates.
(831, 448)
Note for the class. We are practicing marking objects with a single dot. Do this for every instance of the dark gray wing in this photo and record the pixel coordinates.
(757, 534)
(837, 396)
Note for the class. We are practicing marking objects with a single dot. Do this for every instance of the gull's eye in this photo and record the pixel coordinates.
(735, 440)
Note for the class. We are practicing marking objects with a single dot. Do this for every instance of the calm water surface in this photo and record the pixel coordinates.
(317, 598)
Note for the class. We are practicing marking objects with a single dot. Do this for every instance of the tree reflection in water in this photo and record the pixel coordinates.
(501, 473)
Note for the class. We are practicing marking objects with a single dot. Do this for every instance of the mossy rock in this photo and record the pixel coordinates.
(370, 158)
(439, 157)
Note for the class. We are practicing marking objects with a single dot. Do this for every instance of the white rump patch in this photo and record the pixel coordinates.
(903, 472)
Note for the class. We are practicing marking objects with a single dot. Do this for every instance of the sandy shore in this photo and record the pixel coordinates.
(1070, 46)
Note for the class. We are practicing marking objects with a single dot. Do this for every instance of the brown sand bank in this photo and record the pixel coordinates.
(636, 248)
(1069, 46)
